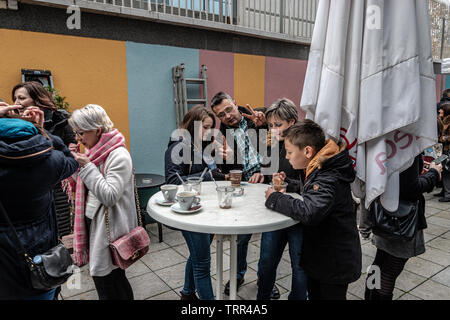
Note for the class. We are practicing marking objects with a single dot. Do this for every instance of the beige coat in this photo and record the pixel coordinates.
(115, 190)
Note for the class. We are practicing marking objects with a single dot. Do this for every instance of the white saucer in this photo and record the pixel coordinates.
(163, 202)
(177, 209)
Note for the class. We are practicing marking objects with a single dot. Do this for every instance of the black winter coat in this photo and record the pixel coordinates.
(26, 192)
(191, 169)
(331, 247)
(58, 125)
(413, 185)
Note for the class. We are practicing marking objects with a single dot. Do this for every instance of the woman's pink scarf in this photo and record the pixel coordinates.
(97, 155)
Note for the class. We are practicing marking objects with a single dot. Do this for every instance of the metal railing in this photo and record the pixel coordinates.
(197, 9)
(292, 18)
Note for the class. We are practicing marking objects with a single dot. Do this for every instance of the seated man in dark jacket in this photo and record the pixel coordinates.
(331, 246)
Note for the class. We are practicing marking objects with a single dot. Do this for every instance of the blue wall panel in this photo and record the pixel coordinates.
(150, 100)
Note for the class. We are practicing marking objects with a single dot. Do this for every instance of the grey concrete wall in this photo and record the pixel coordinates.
(53, 20)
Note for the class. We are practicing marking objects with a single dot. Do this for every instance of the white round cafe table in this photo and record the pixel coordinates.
(248, 214)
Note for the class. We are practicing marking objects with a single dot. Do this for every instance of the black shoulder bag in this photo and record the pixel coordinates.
(56, 264)
(397, 225)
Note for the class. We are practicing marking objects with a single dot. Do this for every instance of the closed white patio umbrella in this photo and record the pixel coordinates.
(370, 82)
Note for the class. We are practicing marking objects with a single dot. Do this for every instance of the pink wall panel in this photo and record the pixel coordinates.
(220, 71)
(284, 78)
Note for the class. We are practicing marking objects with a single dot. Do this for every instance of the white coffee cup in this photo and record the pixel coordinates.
(187, 199)
(169, 192)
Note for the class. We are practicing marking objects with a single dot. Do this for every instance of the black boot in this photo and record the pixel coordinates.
(386, 297)
(374, 294)
(368, 294)
(188, 296)
(439, 194)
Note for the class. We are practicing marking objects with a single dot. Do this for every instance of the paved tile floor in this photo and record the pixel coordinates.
(160, 274)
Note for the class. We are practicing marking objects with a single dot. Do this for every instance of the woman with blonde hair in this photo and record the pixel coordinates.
(104, 182)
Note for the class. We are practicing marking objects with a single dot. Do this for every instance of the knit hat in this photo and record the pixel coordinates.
(12, 128)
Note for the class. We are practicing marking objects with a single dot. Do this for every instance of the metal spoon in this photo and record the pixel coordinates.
(210, 172)
(203, 173)
(180, 178)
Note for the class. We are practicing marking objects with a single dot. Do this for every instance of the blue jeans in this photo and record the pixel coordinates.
(198, 266)
(49, 295)
(272, 247)
(242, 248)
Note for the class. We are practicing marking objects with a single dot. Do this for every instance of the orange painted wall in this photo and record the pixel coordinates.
(85, 70)
(249, 71)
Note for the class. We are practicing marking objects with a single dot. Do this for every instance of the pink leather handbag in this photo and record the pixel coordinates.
(131, 247)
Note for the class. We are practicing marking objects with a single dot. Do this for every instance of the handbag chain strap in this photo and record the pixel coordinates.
(25, 254)
(107, 225)
(108, 229)
(139, 212)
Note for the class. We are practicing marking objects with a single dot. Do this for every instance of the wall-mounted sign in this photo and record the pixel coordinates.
(42, 76)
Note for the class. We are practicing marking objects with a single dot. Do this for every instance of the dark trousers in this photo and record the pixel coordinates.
(446, 183)
(242, 249)
(114, 286)
(390, 268)
(323, 291)
(272, 247)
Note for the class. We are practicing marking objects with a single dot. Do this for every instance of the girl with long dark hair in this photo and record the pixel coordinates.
(198, 266)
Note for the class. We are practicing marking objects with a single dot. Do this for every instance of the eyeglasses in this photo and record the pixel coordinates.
(227, 110)
(79, 133)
